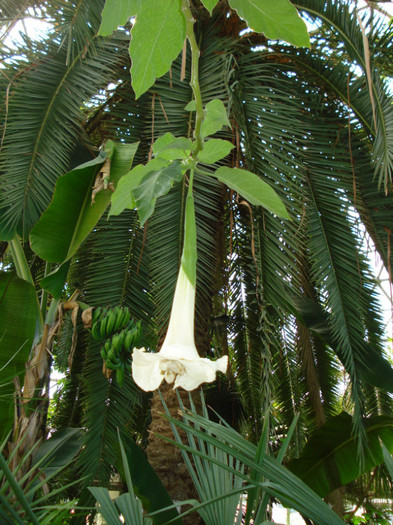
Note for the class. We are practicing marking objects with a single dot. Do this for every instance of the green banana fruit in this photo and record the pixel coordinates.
(126, 317)
(120, 373)
(112, 354)
(133, 336)
(96, 313)
(103, 323)
(110, 365)
(116, 343)
(119, 316)
(95, 331)
(113, 364)
(122, 317)
(129, 339)
(110, 323)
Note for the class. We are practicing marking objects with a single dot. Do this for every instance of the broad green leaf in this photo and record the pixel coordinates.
(162, 142)
(156, 40)
(210, 4)
(387, 459)
(153, 185)
(72, 215)
(214, 150)
(191, 106)
(278, 20)
(59, 450)
(107, 507)
(18, 315)
(131, 509)
(54, 282)
(122, 198)
(171, 148)
(6, 233)
(329, 460)
(116, 13)
(215, 118)
(252, 188)
(147, 484)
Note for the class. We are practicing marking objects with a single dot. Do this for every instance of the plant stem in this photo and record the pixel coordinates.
(189, 255)
(52, 312)
(194, 82)
(44, 293)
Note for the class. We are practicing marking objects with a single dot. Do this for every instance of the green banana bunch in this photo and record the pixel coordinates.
(122, 334)
(118, 340)
(133, 336)
(105, 349)
(122, 317)
(107, 321)
(112, 352)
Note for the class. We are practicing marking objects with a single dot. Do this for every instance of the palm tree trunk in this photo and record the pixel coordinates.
(165, 458)
(307, 344)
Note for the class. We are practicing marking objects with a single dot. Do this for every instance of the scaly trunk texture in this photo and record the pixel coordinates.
(305, 341)
(165, 458)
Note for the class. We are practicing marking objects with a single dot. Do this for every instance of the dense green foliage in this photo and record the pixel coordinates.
(290, 296)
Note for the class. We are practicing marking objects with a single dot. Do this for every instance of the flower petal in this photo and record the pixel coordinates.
(222, 364)
(199, 371)
(179, 351)
(146, 369)
(181, 323)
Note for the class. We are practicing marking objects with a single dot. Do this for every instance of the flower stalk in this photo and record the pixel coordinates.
(194, 82)
(178, 361)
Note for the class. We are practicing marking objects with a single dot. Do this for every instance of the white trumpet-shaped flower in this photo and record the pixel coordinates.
(178, 361)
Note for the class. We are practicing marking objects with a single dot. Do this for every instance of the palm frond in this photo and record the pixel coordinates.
(373, 205)
(76, 23)
(41, 131)
(281, 127)
(377, 112)
(110, 269)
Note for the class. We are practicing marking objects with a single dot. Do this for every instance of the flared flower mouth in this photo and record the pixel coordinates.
(149, 370)
(178, 361)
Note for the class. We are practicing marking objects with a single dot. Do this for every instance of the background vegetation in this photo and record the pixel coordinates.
(293, 303)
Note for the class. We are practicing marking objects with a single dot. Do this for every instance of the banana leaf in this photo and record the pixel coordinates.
(18, 315)
(76, 208)
(147, 484)
(58, 451)
(330, 460)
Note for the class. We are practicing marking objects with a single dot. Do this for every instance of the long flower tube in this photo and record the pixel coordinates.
(178, 361)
